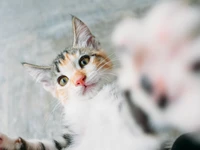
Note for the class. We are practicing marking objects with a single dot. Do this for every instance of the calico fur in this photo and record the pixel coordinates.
(96, 116)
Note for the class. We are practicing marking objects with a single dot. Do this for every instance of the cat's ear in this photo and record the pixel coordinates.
(42, 75)
(82, 35)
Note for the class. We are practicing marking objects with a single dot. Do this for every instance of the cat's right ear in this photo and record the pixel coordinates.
(41, 74)
(82, 36)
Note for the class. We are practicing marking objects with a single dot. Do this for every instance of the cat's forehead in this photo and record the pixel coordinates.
(70, 55)
(78, 51)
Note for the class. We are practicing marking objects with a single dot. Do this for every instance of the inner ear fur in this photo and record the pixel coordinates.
(83, 37)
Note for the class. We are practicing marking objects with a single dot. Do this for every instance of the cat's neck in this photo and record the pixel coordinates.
(78, 112)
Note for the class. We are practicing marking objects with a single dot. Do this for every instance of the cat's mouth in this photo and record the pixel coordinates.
(87, 88)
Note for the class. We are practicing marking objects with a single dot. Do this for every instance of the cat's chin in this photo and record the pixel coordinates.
(88, 88)
(89, 91)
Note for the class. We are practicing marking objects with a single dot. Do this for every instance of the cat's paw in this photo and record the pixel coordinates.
(7, 143)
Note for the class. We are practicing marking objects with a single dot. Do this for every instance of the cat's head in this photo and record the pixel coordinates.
(160, 63)
(79, 71)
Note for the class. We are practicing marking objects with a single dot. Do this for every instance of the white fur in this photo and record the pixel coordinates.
(99, 125)
(100, 118)
(167, 40)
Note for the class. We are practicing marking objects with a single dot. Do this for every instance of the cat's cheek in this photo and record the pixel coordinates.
(62, 95)
(102, 61)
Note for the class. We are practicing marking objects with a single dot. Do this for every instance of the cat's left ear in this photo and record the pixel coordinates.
(41, 74)
(82, 36)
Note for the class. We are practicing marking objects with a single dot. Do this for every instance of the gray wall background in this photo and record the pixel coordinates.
(35, 31)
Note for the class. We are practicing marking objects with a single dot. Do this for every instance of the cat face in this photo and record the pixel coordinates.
(160, 64)
(79, 71)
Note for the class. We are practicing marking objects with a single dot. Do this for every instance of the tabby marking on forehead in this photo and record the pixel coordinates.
(64, 58)
(67, 59)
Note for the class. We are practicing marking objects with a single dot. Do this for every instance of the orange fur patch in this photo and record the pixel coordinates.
(61, 94)
(102, 60)
(67, 59)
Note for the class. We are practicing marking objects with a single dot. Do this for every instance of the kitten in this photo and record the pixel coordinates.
(160, 53)
(81, 79)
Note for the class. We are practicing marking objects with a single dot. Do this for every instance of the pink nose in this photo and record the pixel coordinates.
(81, 80)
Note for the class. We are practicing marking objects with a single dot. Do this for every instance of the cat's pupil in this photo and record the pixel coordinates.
(84, 62)
(63, 80)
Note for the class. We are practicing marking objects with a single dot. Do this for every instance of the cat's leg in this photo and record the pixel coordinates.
(7, 143)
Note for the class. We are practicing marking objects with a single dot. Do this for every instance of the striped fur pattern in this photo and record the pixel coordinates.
(22, 144)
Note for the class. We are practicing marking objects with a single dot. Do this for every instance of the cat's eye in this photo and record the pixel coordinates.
(62, 80)
(84, 60)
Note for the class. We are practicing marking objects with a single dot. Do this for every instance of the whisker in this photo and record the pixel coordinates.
(101, 64)
(57, 104)
(112, 54)
(110, 74)
(111, 60)
(97, 71)
(55, 107)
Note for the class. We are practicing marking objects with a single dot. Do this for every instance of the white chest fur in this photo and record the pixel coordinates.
(99, 125)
